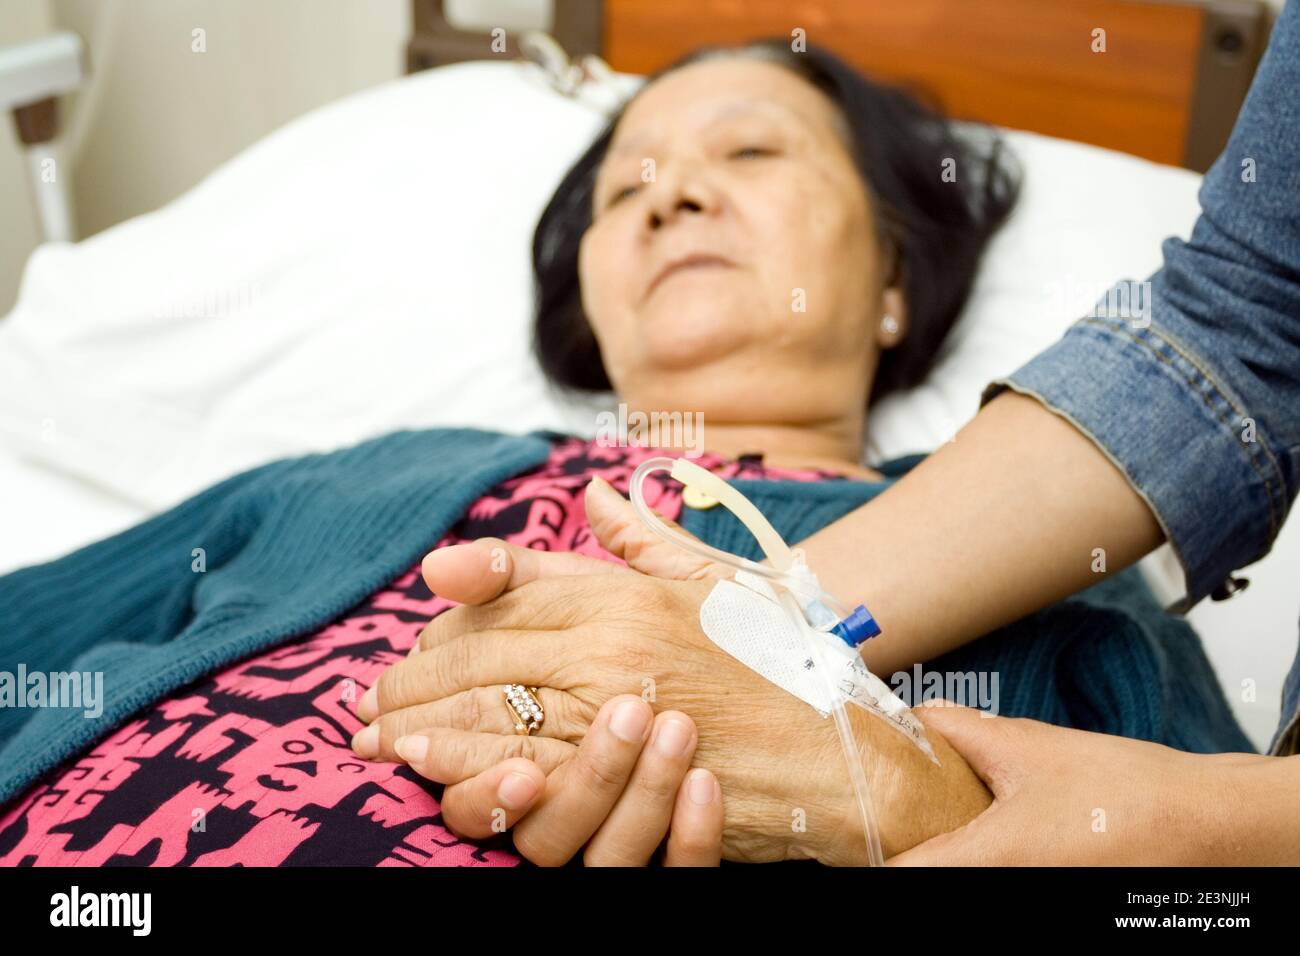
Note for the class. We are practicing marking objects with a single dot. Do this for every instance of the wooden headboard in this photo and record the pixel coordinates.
(1162, 79)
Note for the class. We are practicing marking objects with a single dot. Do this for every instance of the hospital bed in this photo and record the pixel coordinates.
(366, 267)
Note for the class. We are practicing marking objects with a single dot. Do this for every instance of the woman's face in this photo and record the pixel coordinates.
(732, 266)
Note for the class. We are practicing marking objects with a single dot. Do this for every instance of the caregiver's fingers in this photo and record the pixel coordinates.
(695, 834)
(635, 827)
(477, 572)
(996, 748)
(493, 801)
(623, 534)
(453, 756)
(581, 793)
(481, 709)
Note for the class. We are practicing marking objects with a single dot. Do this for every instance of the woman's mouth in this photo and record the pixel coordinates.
(687, 263)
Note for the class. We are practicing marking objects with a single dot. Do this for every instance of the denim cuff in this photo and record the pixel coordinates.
(1176, 432)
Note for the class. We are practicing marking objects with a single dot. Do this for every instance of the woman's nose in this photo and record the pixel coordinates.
(676, 197)
(660, 216)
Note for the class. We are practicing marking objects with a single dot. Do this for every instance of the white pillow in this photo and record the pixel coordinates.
(364, 268)
(1087, 217)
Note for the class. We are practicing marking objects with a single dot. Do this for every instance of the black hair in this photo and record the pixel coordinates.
(937, 227)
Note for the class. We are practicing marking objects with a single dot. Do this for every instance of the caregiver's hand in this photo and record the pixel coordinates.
(586, 637)
(628, 786)
(1069, 797)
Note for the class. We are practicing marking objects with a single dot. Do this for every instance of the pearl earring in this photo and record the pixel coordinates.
(889, 325)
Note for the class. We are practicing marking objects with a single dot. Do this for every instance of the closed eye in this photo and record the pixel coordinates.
(751, 152)
(627, 192)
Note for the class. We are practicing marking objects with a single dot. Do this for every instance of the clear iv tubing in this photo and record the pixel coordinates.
(793, 585)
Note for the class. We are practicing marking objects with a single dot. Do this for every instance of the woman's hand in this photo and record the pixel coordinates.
(627, 787)
(585, 638)
(476, 577)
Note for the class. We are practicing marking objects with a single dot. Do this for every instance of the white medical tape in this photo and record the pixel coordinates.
(745, 619)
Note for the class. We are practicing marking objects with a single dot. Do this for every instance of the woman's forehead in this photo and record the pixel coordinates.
(713, 91)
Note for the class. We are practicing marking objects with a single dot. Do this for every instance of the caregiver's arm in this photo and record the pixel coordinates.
(995, 525)
(1196, 400)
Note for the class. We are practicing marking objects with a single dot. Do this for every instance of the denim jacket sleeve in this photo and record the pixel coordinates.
(1190, 383)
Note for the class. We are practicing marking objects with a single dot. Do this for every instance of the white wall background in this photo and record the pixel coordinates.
(19, 20)
(156, 117)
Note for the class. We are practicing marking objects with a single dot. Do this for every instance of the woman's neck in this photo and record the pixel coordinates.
(835, 447)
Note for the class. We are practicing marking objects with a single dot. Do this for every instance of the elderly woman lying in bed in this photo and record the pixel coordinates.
(764, 238)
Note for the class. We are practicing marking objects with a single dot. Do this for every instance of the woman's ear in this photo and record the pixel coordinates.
(892, 327)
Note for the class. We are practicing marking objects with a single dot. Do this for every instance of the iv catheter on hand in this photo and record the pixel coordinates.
(809, 608)
(787, 567)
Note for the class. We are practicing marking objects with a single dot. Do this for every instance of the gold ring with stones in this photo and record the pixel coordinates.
(525, 709)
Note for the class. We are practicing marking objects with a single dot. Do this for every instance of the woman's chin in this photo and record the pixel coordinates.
(684, 354)
(693, 337)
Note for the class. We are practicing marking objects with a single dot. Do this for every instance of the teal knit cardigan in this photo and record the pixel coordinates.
(290, 546)
(287, 548)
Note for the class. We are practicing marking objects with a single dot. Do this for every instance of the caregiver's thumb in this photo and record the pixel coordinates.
(623, 534)
(994, 747)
